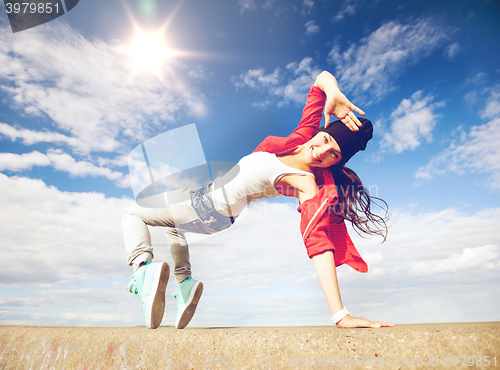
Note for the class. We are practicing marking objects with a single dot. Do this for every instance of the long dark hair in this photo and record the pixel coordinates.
(355, 203)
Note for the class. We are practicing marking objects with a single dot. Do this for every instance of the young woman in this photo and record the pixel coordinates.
(308, 165)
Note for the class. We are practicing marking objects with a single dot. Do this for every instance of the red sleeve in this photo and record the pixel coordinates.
(312, 114)
(321, 234)
(308, 126)
(315, 221)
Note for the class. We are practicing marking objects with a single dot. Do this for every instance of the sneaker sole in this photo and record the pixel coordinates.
(158, 307)
(191, 305)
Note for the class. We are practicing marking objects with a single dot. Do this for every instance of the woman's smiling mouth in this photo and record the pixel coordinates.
(314, 155)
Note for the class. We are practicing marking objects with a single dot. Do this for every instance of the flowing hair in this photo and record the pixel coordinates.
(355, 203)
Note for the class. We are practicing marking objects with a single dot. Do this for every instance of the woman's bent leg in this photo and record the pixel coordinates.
(136, 220)
(180, 255)
(137, 237)
(155, 212)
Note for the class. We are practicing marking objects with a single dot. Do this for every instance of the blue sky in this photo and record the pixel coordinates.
(73, 105)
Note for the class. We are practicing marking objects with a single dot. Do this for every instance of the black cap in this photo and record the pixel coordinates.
(350, 142)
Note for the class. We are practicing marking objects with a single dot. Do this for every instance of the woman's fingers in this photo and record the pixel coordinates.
(344, 110)
(378, 324)
(328, 120)
(386, 324)
(355, 120)
(357, 322)
(351, 122)
(354, 108)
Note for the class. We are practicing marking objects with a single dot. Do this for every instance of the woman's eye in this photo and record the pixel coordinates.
(325, 139)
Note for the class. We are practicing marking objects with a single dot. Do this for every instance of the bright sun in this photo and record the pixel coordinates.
(148, 50)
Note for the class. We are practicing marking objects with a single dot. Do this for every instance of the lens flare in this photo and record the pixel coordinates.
(149, 51)
(147, 7)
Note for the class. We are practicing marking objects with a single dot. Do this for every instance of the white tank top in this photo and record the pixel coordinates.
(258, 174)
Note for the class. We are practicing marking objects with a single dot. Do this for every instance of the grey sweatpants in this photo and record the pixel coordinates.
(163, 210)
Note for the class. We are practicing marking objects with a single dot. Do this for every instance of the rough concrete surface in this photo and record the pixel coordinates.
(424, 346)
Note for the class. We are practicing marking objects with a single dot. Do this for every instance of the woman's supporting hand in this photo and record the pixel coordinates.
(358, 322)
(337, 103)
(324, 265)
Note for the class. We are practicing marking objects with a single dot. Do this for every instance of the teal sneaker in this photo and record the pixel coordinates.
(188, 294)
(149, 283)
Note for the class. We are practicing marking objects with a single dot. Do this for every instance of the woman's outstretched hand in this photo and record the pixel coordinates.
(357, 322)
(338, 105)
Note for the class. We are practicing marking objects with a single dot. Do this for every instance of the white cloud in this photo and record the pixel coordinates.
(453, 50)
(440, 260)
(478, 79)
(485, 257)
(87, 89)
(289, 85)
(476, 152)
(30, 137)
(247, 5)
(412, 121)
(416, 237)
(64, 162)
(20, 162)
(370, 68)
(258, 79)
(311, 27)
(492, 109)
(349, 8)
(71, 305)
(308, 4)
(60, 161)
(120, 161)
(304, 74)
(57, 236)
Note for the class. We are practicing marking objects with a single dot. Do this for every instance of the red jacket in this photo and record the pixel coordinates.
(322, 231)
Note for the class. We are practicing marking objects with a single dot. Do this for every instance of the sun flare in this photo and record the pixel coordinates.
(148, 51)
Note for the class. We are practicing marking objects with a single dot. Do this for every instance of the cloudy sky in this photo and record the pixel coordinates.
(75, 101)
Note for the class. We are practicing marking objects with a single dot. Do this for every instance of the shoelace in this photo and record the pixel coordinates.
(178, 295)
(132, 287)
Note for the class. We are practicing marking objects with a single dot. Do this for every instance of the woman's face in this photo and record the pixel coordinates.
(322, 151)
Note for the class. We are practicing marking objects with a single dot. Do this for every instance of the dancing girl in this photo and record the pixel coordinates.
(309, 165)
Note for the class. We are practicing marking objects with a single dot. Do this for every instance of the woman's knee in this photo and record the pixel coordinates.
(132, 210)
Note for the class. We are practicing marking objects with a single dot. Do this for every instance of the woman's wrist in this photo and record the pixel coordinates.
(327, 83)
(337, 317)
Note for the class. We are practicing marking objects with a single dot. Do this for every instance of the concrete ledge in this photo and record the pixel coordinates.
(424, 346)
